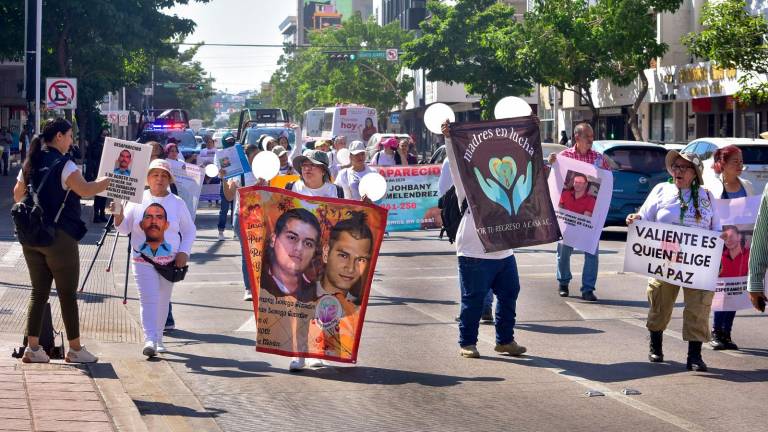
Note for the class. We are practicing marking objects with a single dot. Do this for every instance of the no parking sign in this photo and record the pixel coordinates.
(61, 93)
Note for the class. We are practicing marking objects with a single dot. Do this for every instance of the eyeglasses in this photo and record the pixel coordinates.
(308, 166)
(676, 167)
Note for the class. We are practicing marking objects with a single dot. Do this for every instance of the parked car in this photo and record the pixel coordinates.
(637, 167)
(754, 152)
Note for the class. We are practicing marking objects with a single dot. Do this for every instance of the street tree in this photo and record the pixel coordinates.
(569, 44)
(309, 77)
(94, 41)
(459, 44)
(733, 38)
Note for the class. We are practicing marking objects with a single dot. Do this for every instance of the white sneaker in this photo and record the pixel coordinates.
(149, 349)
(315, 363)
(297, 364)
(247, 296)
(221, 236)
(32, 356)
(82, 356)
(160, 347)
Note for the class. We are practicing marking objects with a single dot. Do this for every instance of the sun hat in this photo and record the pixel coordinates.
(279, 150)
(390, 142)
(161, 164)
(693, 158)
(316, 157)
(356, 147)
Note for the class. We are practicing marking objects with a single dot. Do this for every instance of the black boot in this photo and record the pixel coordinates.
(727, 342)
(717, 342)
(656, 355)
(695, 362)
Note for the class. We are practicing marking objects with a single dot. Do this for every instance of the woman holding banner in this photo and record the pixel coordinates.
(682, 201)
(162, 232)
(60, 199)
(728, 165)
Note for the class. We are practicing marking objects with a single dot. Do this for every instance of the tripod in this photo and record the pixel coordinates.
(107, 228)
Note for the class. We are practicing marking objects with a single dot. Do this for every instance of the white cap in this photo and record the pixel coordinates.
(356, 147)
(161, 164)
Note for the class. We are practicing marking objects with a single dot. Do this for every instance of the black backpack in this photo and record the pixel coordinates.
(28, 216)
(47, 338)
(451, 213)
(339, 189)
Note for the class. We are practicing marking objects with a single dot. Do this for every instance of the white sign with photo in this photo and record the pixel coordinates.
(581, 196)
(684, 256)
(126, 163)
(738, 218)
(233, 161)
(189, 182)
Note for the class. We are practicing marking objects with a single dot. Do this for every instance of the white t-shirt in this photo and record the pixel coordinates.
(178, 237)
(663, 205)
(326, 190)
(468, 242)
(381, 158)
(69, 168)
(446, 179)
(349, 180)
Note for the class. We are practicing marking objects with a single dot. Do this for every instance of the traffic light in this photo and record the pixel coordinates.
(342, 56)
(199, 87)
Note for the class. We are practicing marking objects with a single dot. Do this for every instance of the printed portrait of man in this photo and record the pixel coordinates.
(576, 197)
(289, 253)
(347, 257)
(735, 259)
(154, 222)
(123, 163)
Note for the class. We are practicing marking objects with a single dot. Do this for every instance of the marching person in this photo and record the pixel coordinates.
(172, 151)
(162, 231)
(285, 166)
(479, 272)
(315, 181)
(404, 155)
(230, 193)
(728, 165)
(386, 154)
(228, 141)
(583, 135)
(60, 199)
(758, 258)
(349, 178)
(339, 142)
(684, 202)
(206, 158)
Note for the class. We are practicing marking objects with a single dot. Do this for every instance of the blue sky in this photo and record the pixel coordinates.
(243, 22)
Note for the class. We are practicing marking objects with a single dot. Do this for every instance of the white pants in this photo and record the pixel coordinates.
(154, 297)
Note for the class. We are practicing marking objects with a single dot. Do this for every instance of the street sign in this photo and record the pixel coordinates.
(172, 85)
(61, 93)
(392, 54)
(394, 118)
(112, 117)
(148, 91)
(372, 54)
(122, 118)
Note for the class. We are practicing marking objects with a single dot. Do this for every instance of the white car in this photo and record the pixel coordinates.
(754, 152)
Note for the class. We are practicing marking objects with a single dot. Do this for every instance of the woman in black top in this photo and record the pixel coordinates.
(61, 260)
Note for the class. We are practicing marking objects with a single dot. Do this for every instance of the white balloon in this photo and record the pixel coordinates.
(211, 170)
(510, 107)
(436, 115)
(343, 156)
(266, 165)
(373, 185)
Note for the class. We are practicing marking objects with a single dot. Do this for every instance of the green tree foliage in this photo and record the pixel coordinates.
(308, 78)
(460, 44)
(12, 25)
(570, 43)
(97, 41)
(183, 69)
(732, 38)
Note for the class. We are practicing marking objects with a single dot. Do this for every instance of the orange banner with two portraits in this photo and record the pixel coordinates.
(310, 262)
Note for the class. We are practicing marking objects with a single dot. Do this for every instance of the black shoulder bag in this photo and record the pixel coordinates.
(30, 227)
(169, 271)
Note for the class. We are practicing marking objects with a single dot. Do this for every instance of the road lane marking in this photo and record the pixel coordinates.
(586, 383)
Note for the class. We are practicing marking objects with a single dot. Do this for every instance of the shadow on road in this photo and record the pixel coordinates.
(166, 409)
(185, 337)
(565, 330)
(376, 300)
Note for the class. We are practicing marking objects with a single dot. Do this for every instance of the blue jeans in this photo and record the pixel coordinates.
(477, 277)
(488, 302)
(225, 206)
(724, 320)
(588, 273)
(246, 279)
